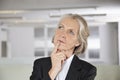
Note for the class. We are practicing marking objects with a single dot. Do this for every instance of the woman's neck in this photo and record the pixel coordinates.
(69, 53)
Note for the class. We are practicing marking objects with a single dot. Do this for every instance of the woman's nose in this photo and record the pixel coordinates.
(63, 35)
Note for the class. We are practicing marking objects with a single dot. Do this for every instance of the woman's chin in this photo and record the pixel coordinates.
(62, 48)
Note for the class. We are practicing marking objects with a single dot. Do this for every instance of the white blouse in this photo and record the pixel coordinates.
(63, 73)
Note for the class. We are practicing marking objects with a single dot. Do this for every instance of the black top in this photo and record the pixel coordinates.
(79, 70)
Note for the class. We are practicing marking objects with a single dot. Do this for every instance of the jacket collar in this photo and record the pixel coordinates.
(74, 69)
(75, 63)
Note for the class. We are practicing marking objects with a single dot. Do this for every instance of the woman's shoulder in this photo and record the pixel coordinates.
(87, 69)
(42, 60)
(86, 65)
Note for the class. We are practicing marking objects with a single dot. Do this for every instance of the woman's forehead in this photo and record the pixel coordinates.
(69, 22)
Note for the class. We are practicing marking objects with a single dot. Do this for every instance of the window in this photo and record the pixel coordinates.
(4, 49)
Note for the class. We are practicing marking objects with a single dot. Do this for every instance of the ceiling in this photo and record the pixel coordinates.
(49, 11)
(53, 4)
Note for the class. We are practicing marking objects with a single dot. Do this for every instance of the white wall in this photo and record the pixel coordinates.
(21, 41)
(0, 41)
(109, 43)
(3, 36)
(119, 40)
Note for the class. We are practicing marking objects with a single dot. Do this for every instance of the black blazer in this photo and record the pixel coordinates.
(79, 70)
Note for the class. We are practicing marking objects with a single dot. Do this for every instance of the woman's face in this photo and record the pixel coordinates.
(67, 33)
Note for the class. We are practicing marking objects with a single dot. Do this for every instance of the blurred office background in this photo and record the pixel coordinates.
(27, 28)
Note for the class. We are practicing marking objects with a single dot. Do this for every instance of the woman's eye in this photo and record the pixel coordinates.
(60, 27)
(71, 32)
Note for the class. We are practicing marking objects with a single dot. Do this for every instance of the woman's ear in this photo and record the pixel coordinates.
(53, 39)
(77, 43)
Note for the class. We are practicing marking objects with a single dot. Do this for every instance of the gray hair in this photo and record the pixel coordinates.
(82, 34)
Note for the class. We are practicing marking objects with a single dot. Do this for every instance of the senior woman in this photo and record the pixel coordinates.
(70, 39)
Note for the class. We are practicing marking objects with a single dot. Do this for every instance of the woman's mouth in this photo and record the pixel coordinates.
(61, 41)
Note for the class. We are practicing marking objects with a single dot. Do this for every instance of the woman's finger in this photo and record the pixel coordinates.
(55, 48)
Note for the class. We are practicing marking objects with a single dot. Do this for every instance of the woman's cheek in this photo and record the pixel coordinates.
(55, 40)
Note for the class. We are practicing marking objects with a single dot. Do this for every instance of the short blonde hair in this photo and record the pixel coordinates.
(82, 34)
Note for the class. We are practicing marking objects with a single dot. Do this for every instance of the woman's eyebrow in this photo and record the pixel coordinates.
(61, 25)
(72, 30)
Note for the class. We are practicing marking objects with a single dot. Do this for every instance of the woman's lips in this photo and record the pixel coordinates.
(61, 41)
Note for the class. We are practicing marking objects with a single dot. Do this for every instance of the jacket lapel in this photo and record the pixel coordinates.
(74, 69)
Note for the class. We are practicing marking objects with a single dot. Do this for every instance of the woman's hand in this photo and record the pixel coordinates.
(57, 57)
